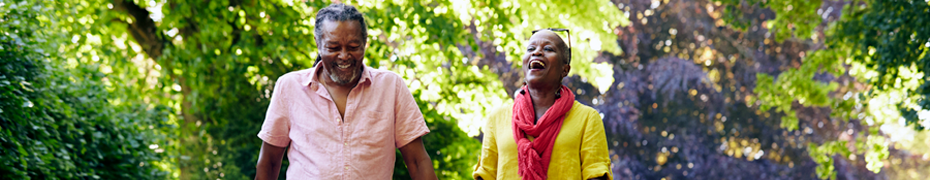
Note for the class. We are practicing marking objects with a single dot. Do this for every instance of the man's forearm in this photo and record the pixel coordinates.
(267, 171)
(423, 170)
(269, 162)
(417, 160)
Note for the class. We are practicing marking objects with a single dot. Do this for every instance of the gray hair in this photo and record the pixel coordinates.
(339, 12)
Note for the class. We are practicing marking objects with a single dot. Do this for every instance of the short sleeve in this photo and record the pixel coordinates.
(595, 158)
(277, 125)
(408, 120)
(487, 162)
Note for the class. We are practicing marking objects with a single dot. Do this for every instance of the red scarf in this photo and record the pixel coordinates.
(533, 156)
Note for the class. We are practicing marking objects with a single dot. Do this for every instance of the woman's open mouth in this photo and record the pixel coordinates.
(537, 64)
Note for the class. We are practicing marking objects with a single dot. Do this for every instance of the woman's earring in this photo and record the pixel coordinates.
(558, 93)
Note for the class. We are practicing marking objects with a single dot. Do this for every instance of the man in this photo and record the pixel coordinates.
(341, 119)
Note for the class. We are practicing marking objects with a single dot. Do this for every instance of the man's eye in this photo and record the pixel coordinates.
(530, 49)
(549, 49)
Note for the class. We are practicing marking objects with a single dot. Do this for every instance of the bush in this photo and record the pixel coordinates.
(57, 122)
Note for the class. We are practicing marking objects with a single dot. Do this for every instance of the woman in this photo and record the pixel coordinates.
(545, 134)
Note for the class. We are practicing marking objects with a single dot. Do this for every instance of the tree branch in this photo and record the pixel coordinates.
(142, 28)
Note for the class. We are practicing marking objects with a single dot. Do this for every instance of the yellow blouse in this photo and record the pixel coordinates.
(580, 150)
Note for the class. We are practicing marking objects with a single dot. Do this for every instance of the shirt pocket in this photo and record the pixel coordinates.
(376, 129)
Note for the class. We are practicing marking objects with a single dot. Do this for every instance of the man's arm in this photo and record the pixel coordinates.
(417, 160)
(269, 162)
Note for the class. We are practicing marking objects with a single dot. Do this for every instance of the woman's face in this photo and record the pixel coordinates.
(543, 62)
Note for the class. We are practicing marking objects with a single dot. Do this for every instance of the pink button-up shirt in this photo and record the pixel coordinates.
(380, 116)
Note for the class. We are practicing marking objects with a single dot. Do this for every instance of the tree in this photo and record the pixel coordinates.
(881, 44)
(687, 89)
(666, 116)
(213, 63)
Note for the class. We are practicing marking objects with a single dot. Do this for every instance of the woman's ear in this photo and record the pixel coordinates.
(566, 69)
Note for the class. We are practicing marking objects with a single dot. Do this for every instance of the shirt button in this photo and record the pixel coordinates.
(346, 144)
(347, 167)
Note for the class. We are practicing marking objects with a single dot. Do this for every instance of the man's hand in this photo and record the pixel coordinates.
(417, 160)
(269, 162)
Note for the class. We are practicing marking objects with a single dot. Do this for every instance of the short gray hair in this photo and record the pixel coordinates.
(339, 12)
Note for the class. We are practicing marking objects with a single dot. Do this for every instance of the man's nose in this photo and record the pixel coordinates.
(343, 55)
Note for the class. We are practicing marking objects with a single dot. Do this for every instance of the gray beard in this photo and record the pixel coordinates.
(344, 81)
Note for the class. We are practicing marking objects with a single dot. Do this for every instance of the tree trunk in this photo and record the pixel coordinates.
(144, 30)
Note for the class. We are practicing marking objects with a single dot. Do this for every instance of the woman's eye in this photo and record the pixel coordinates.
(530, 49)
(549, 49)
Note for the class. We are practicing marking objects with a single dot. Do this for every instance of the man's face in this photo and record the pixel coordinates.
(342, 49)
(543, 61)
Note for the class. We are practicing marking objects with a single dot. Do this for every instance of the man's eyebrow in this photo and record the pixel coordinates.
(337, 41)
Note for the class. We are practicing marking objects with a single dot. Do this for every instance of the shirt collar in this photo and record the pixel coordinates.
(311, 77)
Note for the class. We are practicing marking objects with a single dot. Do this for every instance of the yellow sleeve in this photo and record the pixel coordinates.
(487, 162)
(595, 159)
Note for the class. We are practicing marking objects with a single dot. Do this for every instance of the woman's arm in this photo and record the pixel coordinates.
(595, 156)
(269, 162)
(487, 161)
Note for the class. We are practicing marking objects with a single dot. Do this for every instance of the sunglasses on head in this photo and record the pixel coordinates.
(561, 30)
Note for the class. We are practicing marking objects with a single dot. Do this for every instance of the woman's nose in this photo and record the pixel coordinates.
(536, 52)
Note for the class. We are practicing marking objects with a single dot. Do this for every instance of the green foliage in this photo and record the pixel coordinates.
(800, 85)
(204, 69)
(224, 56)
(885, 43)
(793, 18)
(889, 37)
(60, 123)
(873, 146)
(821, 153)
(452, 151)
(806, 89)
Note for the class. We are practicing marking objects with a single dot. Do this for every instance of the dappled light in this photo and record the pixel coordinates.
(686, 89)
